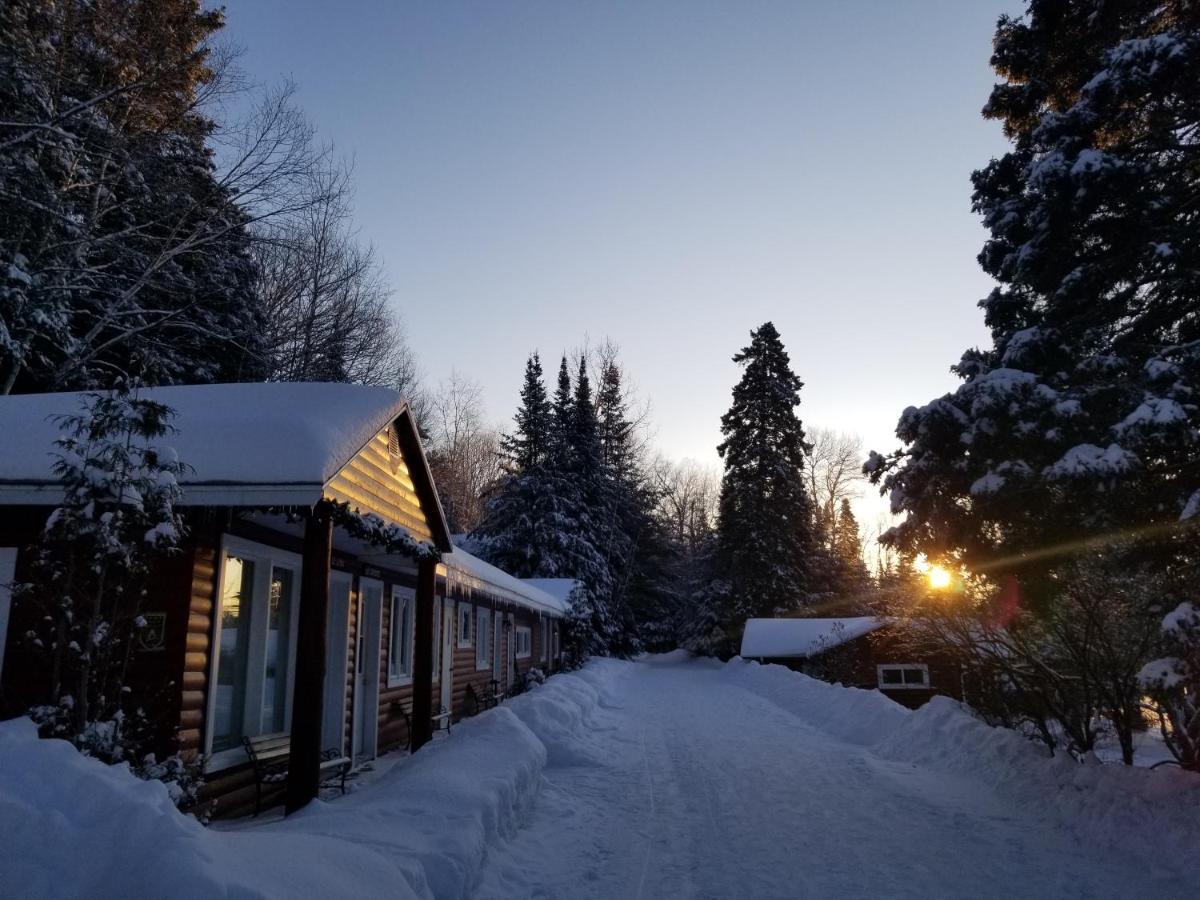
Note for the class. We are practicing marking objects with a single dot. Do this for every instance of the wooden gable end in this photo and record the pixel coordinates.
(379, 480)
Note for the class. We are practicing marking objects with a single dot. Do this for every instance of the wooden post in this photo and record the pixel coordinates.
(308, 692)
(422, 704)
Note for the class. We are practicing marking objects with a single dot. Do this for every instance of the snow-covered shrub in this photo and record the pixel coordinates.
(1058, 671)
(89, 576)
(1174, 683)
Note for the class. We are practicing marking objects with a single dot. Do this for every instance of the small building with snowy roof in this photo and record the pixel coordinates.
(859, 651)
(312, 521)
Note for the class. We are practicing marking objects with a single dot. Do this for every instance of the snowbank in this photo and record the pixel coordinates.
(1139, 810)
(71, 826)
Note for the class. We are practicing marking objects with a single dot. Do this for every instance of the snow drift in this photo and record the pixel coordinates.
(72, 826)
(1147, 812)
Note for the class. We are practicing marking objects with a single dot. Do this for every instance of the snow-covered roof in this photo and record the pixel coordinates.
(770, 638)
(472, 573)
(245, 444)
(558, 587)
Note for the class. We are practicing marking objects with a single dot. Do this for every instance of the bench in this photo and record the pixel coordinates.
(443, 717)
(270, 754)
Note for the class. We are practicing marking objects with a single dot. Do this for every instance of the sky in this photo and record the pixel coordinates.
(667, 175)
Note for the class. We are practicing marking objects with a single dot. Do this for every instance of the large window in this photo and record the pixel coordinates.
(254, 665)
(900, 676)
(465, 613)
(524, 642)
(400, 639)
(483, 639)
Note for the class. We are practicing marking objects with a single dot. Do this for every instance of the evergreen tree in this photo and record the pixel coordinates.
(527, 448)
(1080, 420)
(120, 251)
(765, 534)
(847, 550)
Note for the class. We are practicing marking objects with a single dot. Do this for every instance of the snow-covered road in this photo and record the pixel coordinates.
(690, 785)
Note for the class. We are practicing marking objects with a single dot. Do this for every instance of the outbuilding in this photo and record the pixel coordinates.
(317, 593)
(858, 651)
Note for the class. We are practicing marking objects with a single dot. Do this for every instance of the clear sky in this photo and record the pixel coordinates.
(668, 175)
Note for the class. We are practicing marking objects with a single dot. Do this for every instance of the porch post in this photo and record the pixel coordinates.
(422, 704)
(308, 692)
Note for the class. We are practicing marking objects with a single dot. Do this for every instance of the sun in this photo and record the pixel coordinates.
(939, 578)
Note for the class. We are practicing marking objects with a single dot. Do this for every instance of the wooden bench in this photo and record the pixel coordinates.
(270, 754)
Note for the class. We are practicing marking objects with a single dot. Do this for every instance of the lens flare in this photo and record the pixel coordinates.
(939, 578)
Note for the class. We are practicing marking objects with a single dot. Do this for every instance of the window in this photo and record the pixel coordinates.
(255, 659)
(400, 637)
(465, 612)
(437, 637)
(901, 676)
(545, 655)
(483, 641)
(524, 642)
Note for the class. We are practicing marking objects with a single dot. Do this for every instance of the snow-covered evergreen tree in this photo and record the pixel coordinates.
(120, 251)
(765, 532)
(90, 573)
(847, 551)
(527, 447)
(1081, 419)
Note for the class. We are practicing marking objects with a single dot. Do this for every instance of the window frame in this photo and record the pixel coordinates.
(465, 611)
(266, 559)
(403, 674)
(523, 631)
(902, 667)
(483, 642)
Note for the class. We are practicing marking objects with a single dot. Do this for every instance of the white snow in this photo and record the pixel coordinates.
(662, 778)
(786, 638)
(472, 573)
(988, 484)
(268, 443)
(1191, 509)
(1089, 459)
(1153, 411)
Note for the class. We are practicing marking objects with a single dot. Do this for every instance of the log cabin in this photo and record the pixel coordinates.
(860, 651)
(275, 615)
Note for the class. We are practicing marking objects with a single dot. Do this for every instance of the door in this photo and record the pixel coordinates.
(337, 652)
(8, 569)
(447, 656)
(498, 648)
(366, 669)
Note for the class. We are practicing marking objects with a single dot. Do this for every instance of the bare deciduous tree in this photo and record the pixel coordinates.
(464, 450)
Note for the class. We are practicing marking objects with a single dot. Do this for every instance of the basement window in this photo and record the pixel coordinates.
(903, 676)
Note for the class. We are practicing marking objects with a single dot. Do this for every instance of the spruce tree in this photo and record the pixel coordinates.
(765, 532)
(1079, 421)
(847, 550)
(527, 447)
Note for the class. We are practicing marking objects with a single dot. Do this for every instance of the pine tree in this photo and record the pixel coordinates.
(765, 534)
(847, 550)
(527, 447)
(1080, 420)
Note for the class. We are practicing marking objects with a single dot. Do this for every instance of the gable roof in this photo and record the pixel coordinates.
(801, 638)
(274, 444)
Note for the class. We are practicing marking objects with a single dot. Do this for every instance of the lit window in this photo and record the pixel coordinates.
(400, 643)
(902, 676)
(255, 659)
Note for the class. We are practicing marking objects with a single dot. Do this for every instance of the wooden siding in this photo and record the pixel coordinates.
(197, 648)
(377, 480)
